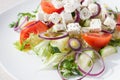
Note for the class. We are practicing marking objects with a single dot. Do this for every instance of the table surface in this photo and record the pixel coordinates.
(4, 6)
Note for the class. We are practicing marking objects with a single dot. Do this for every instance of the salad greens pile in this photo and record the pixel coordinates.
(69, 35)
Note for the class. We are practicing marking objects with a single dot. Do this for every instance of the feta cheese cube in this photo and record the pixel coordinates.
(85, 14)
(96, 24)
(57, 3)
(55, 18)
(46, 17)
(39, 16)
(93, 8)
(110, 22)
(58, 27)
(87, 2)
(73, 28)
(66, 17)
(71, 5)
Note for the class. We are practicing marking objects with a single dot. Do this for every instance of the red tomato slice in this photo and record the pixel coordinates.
(97, 40)
(48, 7)
(34, 27)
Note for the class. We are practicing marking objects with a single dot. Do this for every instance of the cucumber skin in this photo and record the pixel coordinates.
(107, 51)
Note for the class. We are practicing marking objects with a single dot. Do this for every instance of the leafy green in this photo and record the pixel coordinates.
(13, 24)
(54, 50)
(115, 42)
(36, 10)
(69, 67)
(29, 15)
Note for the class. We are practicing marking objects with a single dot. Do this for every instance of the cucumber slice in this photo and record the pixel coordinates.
(107, 51)
(84, 61)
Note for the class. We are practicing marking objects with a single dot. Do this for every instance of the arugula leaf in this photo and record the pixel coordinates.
(29, 15)
(54, 50)
(115, 42)
(69, 67)
(13, 24)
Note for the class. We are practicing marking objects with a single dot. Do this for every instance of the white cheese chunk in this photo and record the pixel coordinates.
(66, 17)
(55, 18)
(46, 17)
(71, 5)
(87, 2)
(110, 22)
(93, 8)
(73, 28)
(95, 24)
(58, 27)
(57, 3)
(85, 14)
(40, 16)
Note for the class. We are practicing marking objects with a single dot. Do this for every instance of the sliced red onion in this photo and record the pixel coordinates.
(107, 31)
(77, 19)
(98, 55)
(76, 41)
(18, 27)
(49, 24)
(59, 65)
(81, 1)
(99, 10)
(53, 35)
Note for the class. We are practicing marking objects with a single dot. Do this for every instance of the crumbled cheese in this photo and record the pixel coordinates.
(55, 18)
(66, 17)
(110, 22)
(58, 27)
(95, 24)
(93, 8)
(73, 28)
(57, 3)
(46, 17)
(71, 5)
(85, 14)
(39, 16)
(87, 2)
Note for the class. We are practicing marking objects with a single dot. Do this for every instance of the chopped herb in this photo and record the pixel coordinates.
(54, 50)
(36, 10)
(26, 14)
(115, 42)
(69, 67)
(13, 24)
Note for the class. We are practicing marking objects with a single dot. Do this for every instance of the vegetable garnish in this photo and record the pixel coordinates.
(71, 35)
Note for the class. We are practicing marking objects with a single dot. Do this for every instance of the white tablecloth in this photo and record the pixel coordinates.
(5, 5)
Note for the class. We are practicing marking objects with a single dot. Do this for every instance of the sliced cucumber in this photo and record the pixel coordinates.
(87, 23)
(84, 60)
(107, 51)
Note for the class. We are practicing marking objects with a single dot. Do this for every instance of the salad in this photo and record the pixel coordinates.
(72, 36)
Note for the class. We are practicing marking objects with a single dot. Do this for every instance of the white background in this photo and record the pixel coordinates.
(5, 5)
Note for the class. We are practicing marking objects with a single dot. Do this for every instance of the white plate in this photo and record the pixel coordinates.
(26, 66)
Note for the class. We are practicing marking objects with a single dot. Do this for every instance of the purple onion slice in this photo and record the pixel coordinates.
(74, 44)
(81, 77)
(99, 11)
(18, 27)
(53, 35)
(100, 58)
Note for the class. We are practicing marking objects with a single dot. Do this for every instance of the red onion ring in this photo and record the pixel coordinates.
(49, 24)
(42, 35)
(117, 24)
(70, 45)
(18, 27)
(59, 65)
(99, 10)
(95, 74)
(77, 18)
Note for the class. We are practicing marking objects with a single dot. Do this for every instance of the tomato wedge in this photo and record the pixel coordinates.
(35, 27)
(97, 40)
(49, 8)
